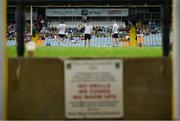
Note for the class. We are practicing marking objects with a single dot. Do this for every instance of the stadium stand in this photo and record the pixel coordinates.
(45, 30)
(101, 37)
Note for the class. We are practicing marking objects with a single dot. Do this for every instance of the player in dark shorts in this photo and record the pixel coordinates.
(61, 35)
(62, 31)
(115, 34)
(87, 32)
(87, 36)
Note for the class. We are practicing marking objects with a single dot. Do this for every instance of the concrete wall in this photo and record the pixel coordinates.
(38, 91)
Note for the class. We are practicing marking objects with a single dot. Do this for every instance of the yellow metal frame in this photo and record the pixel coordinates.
(5, 59)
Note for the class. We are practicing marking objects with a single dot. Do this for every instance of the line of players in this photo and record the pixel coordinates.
(88, 31)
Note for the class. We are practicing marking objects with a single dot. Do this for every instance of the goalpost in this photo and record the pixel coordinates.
(3, 60)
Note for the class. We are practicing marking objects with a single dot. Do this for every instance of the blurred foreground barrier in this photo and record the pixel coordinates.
(36, 88)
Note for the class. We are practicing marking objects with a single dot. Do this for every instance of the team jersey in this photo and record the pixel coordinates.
(115, 28)
(88, 29)
(62, 28)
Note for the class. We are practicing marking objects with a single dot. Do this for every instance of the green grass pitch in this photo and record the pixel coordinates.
(91, 52)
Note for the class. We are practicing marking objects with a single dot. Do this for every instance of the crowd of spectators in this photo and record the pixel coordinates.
(149, 28)
(11, 31)
(46, 31)
(98, 31)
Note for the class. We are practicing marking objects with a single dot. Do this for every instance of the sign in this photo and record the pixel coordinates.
(2, 57)
(93, 89)
(88, 12)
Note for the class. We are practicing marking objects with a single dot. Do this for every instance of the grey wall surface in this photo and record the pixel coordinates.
(176, 60)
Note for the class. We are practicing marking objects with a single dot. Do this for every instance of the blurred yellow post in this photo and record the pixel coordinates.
(3, 61)
(132, 34)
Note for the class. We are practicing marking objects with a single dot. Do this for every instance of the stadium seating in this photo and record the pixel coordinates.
(11, 43)
(153, 40)
(94, 23)
(149, 41)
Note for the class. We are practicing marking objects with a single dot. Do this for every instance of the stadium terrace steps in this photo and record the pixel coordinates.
(149, 41)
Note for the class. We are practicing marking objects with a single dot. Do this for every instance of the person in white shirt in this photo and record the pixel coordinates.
(87, 32)
(30, 45)
(115, 33)
(62, 31)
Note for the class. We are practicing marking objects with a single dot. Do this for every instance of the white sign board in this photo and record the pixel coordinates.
(2, 60)
(88, 12)
(93, 89)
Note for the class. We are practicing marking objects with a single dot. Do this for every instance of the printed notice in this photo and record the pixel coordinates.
(93, 89)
